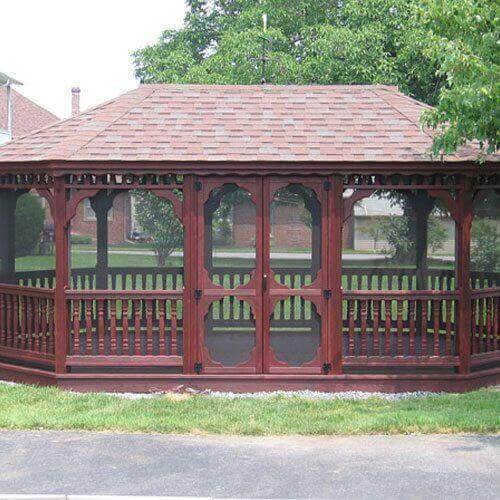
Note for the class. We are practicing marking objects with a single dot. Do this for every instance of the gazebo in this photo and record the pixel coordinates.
(259, 316)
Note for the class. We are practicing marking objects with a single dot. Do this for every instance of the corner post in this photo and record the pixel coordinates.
(189, 261)
(463, 262)
(61, 332)
(335, 210)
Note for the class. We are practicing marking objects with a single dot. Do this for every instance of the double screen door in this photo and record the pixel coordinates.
(262, 284)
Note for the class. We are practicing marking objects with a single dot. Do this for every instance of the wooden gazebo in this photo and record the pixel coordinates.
(254, 320)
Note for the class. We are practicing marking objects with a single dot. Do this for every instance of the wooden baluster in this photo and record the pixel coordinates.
(435, 313)
(149, 327)
(424, 328)
(447, 305)
(161, 328)
(489, 325)
(32, 338)
(388, 318)
(8, 329)
(173, 327)
(2, 319)
(412, 306)
(137, 327)
(351, 305)
(399, 322)
(51, 325)
(43, 324)
(376, 312)
(364, 332)
(88, 327)
(21, 311)
(15, 323)
(481, 324)
(113, 328)
(76, 327)
(125, 328)
(35, 319)
(473, 327)
(496, 333)
(101, 328)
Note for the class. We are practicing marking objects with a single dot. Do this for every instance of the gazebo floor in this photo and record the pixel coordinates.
(156, 382)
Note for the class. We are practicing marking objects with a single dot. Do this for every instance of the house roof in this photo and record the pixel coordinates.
(204, 123)
(26, 115)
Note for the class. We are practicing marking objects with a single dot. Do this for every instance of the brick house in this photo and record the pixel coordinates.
(27, 116)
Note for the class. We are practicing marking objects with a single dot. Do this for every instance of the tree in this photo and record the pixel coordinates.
(323, 42)
(443, 52)
(157, 218)
(464, 41)
(30, 217)
(485, 245)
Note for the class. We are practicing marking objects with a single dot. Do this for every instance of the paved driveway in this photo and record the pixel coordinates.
(295, 467)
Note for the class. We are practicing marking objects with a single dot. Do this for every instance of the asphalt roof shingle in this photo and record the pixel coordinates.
(339, 123)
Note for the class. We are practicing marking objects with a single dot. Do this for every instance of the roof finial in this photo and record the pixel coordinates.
(266, 43)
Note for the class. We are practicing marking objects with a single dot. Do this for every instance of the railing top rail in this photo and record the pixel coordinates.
(124, 294)
(27, 291)
(400, 294)
(486, 292)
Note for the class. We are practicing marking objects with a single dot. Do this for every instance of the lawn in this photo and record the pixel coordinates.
(27, 407)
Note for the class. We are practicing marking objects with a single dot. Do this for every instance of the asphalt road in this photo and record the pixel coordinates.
(270, 467)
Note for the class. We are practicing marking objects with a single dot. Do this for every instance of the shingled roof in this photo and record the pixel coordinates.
(27, 116)
(191, 123)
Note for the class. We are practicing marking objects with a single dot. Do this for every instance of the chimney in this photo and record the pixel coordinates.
(75, 101)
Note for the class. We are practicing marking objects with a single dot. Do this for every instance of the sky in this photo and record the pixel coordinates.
(53, 45)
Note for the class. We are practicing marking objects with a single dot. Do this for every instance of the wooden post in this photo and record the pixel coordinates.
(62, 275)
(189, 260)
(335, 210)
(462, 264)
(102, 203)
(8, 200)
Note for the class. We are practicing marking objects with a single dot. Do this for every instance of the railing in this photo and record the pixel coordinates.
(125, 328)
(485, 330)
(353, 278)
(404, 327)
(27, 324)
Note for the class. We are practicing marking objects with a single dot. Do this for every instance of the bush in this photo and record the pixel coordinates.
(30, 216)
(485, 245)
(80, 239)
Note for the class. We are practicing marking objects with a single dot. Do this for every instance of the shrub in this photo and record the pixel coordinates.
(485, 245)
(80, 239)
(30, 216)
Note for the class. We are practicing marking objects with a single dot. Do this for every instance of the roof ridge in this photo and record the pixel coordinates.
(421, 129)
(138, 101)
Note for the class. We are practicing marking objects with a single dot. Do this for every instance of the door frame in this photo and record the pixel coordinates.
(206, 292)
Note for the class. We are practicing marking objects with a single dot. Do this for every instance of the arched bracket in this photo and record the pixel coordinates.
(349, 203)
(48, 196)
(78, 196)
(169, 195)
(449, 202)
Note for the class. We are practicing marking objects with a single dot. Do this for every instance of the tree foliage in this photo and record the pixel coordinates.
(30, 217)
(485, 245)
(442, 52)
(157, 218)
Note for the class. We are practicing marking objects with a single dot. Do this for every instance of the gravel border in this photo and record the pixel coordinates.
(303, 394)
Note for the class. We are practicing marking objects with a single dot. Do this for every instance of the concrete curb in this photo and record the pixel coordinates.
(93, 497)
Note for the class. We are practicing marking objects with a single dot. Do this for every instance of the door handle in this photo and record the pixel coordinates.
(264, 282)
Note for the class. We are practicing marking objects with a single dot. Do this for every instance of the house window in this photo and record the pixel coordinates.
(89, 214)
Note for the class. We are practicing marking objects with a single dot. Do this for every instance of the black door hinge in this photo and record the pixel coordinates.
(327, 368)
(327, 294)
(327, 185)
(198, 367)
(198, 185)
(197, 294)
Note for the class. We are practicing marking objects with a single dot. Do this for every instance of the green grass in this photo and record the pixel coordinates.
(27, 407)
